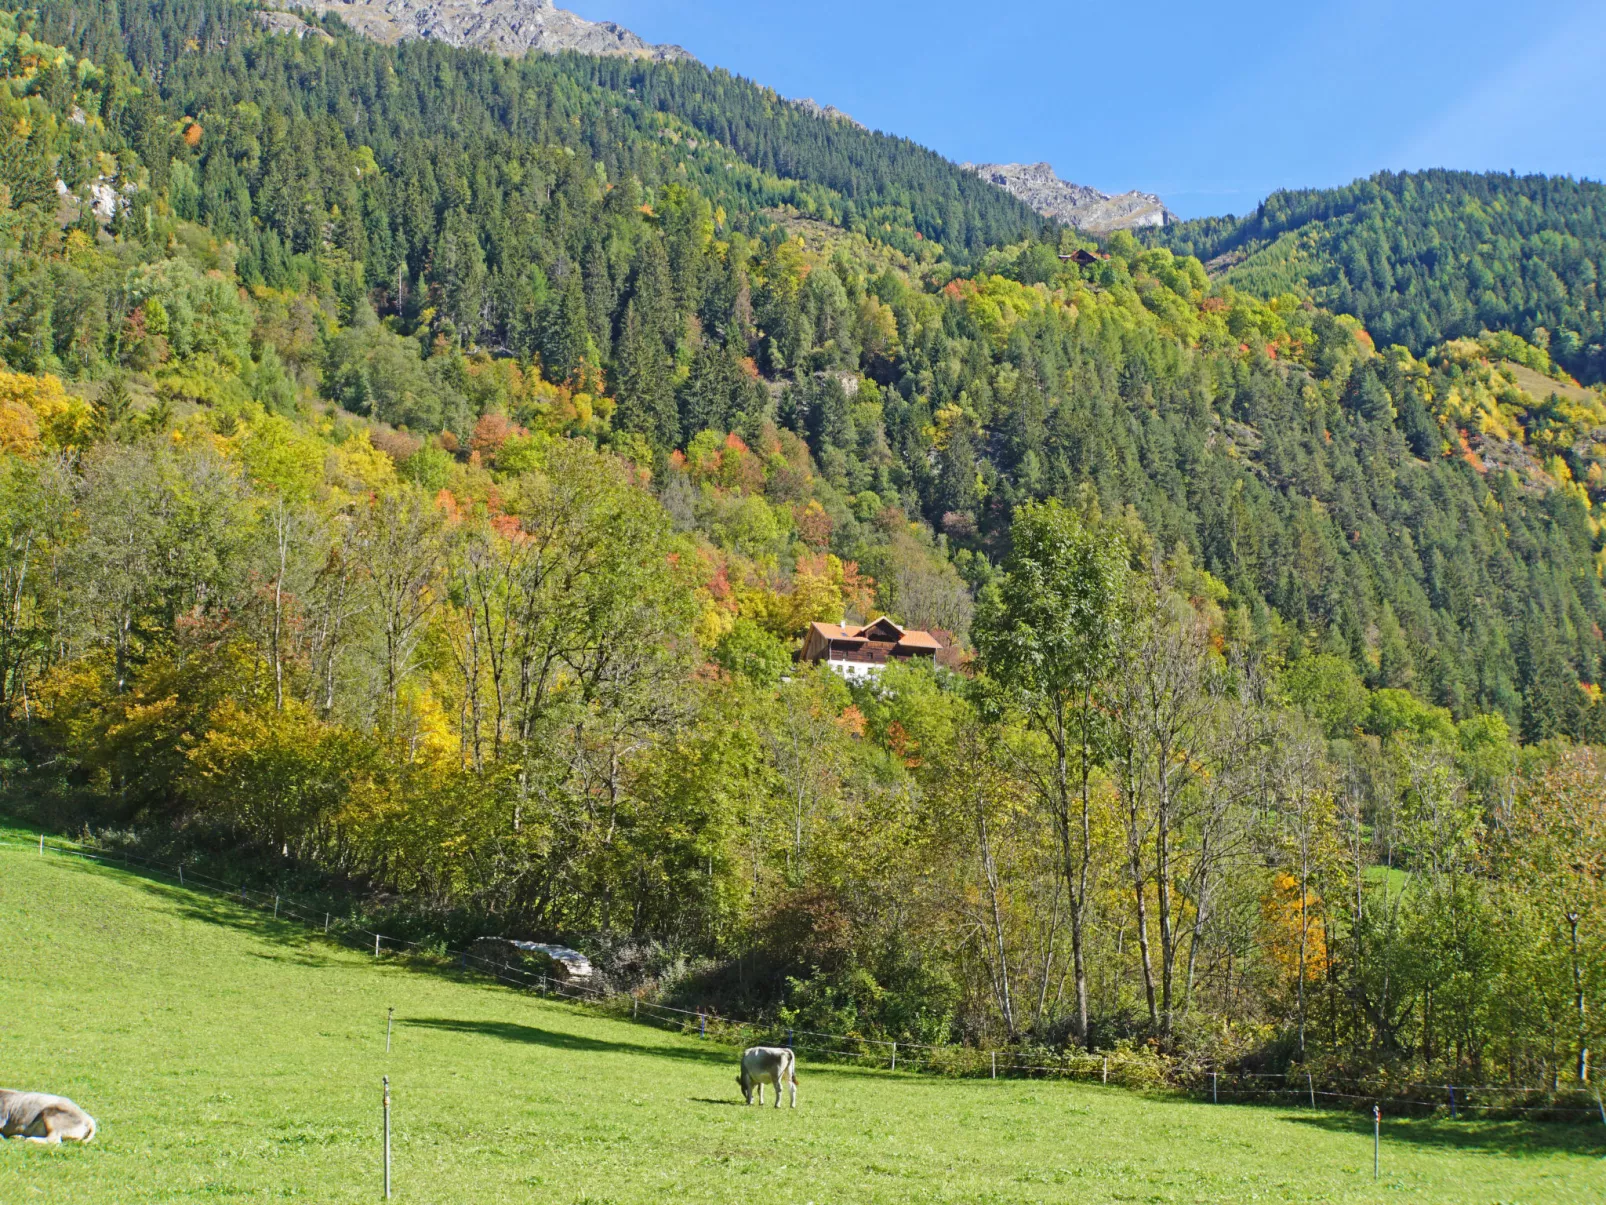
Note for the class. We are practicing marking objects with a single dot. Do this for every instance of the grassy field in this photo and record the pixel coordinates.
(228, 1058)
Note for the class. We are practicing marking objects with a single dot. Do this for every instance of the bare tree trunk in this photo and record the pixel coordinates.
(1001, 987)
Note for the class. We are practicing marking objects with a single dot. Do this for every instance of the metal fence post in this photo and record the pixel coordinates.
(390, 1019)
(181, 874)
(789, 1039)
(376, 945)
(995, 1064)
(1377, 1137)
(894, 1056)
(1310, 1086)
(387, 1137)
(275, 905)
(1105, 1074)
(1452, 1101)
(1215, 1099)
(41, 845)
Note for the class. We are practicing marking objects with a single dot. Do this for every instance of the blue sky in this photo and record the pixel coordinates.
(1210, 105)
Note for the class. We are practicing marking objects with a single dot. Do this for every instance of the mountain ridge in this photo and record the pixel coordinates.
(506, 27)
(1077, 205)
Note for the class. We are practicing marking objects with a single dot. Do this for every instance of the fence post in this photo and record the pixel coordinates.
(1105, 1074)
(1310, 1086)
(1601, 1106)
(387, 1137)
(1214, 1098)
(789, 1039)
(376, 945)
(995, 1064)
(635, 1003)
(1452, 1101)
(275, 905)
(894, 1056)
(390, 1018)
(41, 845)
(1377, 1136)
(702, 1024)
(326, 924)
(181, 874)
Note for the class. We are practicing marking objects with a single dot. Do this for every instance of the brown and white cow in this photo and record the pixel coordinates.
(762, 1065)
(40, 1117)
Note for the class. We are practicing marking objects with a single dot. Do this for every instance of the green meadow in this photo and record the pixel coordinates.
(231, 1058)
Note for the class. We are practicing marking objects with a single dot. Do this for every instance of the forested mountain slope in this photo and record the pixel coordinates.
(543, 208)
(1421, 257)
(683, 116)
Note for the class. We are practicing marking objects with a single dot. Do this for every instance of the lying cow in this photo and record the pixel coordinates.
(39, 1117)
(768, 1065)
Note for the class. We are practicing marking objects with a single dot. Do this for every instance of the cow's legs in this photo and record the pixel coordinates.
(761, 1092)
(791, 1082)
(780, 1080)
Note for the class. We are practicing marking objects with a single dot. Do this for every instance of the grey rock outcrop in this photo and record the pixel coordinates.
(830, 112)
(290, 24)
(509, 27)
(1075, 204)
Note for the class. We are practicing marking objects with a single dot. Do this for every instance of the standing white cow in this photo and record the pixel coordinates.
(762, 1065)
(40, 1117)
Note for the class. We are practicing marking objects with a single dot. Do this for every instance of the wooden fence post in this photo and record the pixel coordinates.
(995, 1064)
(376, 945)
(894, 1056)
(1310, 1086)
(1106, 1072)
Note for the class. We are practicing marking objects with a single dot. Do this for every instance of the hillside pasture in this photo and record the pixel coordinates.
(228, 1057)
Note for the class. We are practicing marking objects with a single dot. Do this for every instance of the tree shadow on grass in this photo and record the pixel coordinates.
(512, 1031)
(1523, 1139)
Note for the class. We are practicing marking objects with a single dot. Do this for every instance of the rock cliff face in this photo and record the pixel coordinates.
(509, 27)
(1075, 204)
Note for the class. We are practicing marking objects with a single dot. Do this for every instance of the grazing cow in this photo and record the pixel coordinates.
(40, 1117)
(768, 1065)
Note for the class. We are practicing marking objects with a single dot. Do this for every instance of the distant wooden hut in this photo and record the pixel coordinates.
(1083, 258)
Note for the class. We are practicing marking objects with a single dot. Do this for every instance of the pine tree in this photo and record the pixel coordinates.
(566, 346)
(641, 384)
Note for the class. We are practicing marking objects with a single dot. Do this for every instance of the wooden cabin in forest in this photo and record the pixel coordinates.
(862, 652)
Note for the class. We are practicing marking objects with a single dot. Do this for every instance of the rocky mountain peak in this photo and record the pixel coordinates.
(510, 27)
(1077, 205)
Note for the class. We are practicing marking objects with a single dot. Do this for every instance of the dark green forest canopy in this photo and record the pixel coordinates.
(1422, 257)
(555, 208)
(866, 181)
